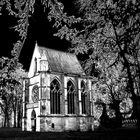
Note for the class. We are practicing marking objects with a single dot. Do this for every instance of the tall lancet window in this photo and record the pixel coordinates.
(35, 65)
(83, 97)
(55, 97)
(71, 97)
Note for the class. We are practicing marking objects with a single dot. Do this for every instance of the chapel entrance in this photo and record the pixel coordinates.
(33, 121)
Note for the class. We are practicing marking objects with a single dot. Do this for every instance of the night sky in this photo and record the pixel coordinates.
(40, 30)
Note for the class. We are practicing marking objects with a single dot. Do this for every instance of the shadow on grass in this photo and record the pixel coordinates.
(102, 134)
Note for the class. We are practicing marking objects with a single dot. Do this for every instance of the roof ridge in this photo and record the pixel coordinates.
(46, 48)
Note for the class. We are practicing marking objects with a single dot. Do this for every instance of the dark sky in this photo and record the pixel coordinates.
(40, 30)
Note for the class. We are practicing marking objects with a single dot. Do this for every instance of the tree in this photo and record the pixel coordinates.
(109, 91)
(11, 74)
(109, 34)
(18, 75)
(22, 10)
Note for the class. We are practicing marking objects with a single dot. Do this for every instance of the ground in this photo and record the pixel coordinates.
(118, 134)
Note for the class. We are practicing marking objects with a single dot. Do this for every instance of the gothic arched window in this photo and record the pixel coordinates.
(70, 97)
(83, 97)
(55, 97)
(33, 120)
(33, 114)
(35, 65)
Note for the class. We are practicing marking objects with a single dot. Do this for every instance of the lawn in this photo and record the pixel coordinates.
(119, 134)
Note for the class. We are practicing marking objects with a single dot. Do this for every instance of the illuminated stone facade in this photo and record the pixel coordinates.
(57, 93)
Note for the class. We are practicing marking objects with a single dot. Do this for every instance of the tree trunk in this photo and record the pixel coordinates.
(127, 66)
(115, 106)
(138, 99)
(104, 117)
(15, 118)
(19, 119)
(4, 121)
(138, 106)
(118, 118)
(6, 118)
(19, 113)
(8, 123)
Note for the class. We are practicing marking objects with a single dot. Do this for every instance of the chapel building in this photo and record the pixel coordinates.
(57, 95)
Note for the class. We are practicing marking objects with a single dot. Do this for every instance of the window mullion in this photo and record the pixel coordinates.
(59, 102)
(84, 104)
(73, 102)
(82, 101)
(53, 102)
(57, 106)
(68, 101)
(50, 102)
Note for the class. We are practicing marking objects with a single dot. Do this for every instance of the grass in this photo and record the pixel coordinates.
(118, 134)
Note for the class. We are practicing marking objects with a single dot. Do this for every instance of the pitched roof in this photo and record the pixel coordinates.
(62, 62)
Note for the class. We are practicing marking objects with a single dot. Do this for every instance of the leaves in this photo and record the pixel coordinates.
(110, 38)
(21, 10)
(11, 74)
